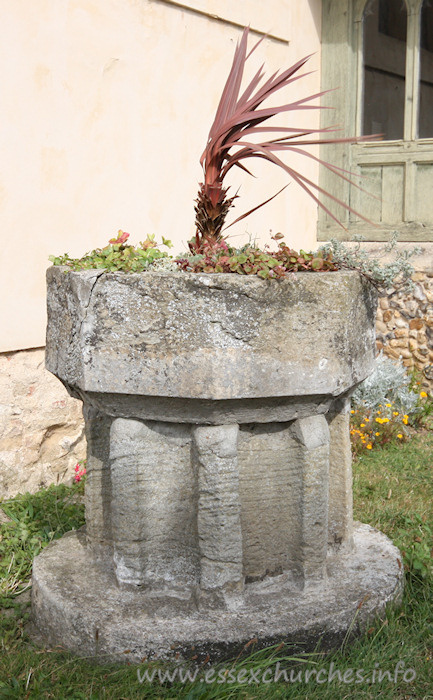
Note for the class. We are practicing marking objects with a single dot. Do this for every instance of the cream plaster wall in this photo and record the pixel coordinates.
(105, 108)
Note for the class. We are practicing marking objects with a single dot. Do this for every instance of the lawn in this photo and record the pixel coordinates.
(393, 490)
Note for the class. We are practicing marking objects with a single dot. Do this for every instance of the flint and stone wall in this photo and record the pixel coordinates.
(405, 326)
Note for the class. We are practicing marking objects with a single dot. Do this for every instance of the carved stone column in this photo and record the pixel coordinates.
(313, 436)
(219, 508)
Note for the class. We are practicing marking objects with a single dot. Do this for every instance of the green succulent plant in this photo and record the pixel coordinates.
(117, 255)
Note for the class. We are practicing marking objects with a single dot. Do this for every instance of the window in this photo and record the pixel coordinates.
(425, 114)
(381, 53)
(384, 68)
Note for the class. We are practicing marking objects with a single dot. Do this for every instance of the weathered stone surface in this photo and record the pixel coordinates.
(79, 605)
(312, 434)
(340, 511)
(206, 411)
(154, 504)
(99, 488)
(41, 427)
(217, 336)
(216, 410)
(219, 509)
(270, 488)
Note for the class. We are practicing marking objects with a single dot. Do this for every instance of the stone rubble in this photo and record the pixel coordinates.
(41, 427)
(404, 326)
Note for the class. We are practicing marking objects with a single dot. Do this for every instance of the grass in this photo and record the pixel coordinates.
(393, 490)
(32, 522)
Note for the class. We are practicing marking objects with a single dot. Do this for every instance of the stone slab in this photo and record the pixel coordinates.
(76, 604)
(213, 336)
(207, 411)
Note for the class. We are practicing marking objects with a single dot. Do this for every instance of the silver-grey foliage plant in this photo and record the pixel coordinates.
(388, 383)
(392, 275)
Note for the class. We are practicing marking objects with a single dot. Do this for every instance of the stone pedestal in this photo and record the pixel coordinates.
(218, 497)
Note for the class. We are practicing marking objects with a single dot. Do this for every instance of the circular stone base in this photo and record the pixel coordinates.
(77, 604)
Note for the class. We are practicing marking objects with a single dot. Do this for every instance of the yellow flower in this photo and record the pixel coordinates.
(362, 425)
(352, 411)
(377, 434)
(400, 436)
(385, 420)
(395, 413)
(423, 394)
(388, 405)
(405, 420)
(369, 446)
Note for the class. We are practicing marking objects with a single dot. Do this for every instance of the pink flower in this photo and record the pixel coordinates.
(122, 237)
(79, 472)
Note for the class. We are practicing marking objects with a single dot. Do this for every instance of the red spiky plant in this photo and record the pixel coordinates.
(232, 140)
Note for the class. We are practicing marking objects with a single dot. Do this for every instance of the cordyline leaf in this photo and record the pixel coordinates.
(341, 172)
(232, 86)
(247, 119)
(257, 207)
(242, 167)
(278, 145)
(241, 115)
(261, 152)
